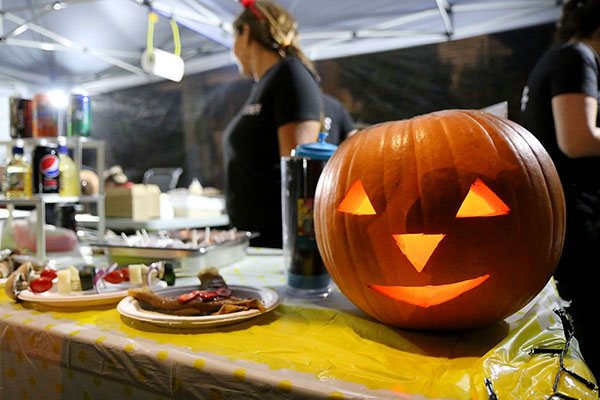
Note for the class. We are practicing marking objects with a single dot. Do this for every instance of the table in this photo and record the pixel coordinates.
(302, 350)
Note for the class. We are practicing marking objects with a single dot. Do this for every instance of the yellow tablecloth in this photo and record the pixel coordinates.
(321, 349)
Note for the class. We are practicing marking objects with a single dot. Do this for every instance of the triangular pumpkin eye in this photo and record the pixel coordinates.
(356, 201)
(481, 201)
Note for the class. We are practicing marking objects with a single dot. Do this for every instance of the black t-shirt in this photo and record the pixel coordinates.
(287, 92)
(571, 68)
(568, 68)
(340, 121)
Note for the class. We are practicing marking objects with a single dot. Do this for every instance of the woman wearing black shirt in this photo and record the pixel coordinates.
(282, 111)
(560, 107)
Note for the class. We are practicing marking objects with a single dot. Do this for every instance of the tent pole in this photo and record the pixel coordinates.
(202, 32)
(180, 16)
(24, 26)
(23, 76)
(54, 6)
(445, 11)
(505, 18)
(499, 5)
(204, 11)
(77, 47)
(406, 19)
(34, 44)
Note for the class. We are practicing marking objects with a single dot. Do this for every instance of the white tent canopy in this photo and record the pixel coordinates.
(96, 45)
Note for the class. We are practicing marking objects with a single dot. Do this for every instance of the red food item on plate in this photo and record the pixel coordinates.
(184, 298)
(48, 273)
(40, 285)
(115, 277)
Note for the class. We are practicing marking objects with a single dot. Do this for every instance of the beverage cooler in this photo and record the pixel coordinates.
(43, 171)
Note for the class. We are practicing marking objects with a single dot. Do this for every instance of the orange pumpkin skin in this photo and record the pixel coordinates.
(416, 174)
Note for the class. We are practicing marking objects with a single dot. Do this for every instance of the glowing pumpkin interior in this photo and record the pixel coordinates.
(356, 201)
(480, 201)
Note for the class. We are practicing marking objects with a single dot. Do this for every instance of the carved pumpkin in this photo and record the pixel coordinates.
(449, 220)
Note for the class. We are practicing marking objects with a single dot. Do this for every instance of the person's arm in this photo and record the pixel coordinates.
(575, 123)
(294, 133)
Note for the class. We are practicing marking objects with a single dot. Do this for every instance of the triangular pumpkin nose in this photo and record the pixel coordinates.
(418, 247)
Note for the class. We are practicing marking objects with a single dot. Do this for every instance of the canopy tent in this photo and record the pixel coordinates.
(96, 45)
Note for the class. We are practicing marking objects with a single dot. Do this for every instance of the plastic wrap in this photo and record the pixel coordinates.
(21, 235)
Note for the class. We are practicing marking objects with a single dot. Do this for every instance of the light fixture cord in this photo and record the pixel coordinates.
(152, 19)
(176, 37)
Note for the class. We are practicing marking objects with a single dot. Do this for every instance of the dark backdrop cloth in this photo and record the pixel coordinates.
(169, 124)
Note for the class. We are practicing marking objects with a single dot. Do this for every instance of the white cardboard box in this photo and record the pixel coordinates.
(138, 202)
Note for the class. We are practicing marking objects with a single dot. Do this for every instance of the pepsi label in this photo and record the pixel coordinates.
(49, 168)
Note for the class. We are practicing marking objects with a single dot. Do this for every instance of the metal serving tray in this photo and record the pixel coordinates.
(187, 261)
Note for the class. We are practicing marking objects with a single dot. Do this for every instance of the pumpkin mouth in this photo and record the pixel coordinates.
(429, 295)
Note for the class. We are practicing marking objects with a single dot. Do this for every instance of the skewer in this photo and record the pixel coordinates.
(126, 239)
(145, 236)
(195, 238)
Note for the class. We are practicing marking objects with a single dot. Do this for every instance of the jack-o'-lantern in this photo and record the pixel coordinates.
(449, 220)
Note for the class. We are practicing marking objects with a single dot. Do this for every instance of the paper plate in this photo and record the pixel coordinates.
(112, 294)
(131, 308)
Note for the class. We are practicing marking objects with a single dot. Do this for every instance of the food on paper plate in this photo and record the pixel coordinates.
(87, 277)
(10, 260)
(19, 280)
(6, 268)
(64, 281)
(213, 297)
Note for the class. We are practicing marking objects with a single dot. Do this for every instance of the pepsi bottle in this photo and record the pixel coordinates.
(46, 169)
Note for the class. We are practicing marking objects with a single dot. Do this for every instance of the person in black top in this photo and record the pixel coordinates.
(336, 120)
(560, 107)
(282, 111)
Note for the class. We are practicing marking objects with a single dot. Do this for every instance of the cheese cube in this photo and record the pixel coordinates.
(135, 274)
(75, 281)
(64, 281)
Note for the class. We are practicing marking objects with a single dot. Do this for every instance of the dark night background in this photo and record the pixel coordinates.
(181, 124)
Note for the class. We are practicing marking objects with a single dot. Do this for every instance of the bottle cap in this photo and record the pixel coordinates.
(17, 150)
(62, 149)
(319, 150)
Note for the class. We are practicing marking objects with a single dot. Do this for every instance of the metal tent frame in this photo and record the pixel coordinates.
(340, 28)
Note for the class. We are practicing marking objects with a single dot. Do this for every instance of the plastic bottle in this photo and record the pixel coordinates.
(16, 182)
(69, 173)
